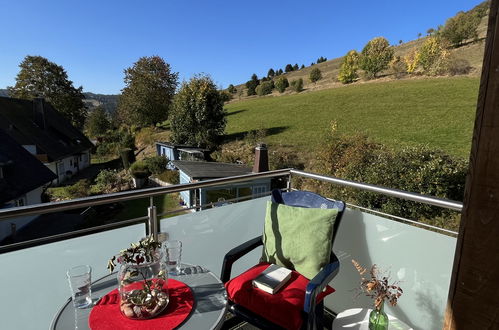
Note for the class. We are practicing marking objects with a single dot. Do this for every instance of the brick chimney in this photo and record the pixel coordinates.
(39, 112)
(261, 159)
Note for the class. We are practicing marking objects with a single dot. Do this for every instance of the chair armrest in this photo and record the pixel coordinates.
(237, 253)
(319, 282)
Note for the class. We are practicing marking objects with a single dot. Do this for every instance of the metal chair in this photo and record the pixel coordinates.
(313, 313)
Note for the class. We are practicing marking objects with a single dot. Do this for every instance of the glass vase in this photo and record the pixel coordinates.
(378, 320)
(143, 288)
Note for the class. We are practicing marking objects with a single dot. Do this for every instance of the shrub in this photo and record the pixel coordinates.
(349, 67)
(281, 84)
(375, 56)
(156, 164)
(169, 176)
(139, 170)
(297, 85)
(457, 66)
(315, 75)
(398, 67)
(78, 190)
(411, 61)
(108, 181)
(415, 169)
(265, 88)
(225, 96)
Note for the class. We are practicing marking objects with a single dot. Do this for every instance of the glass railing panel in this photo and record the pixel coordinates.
(208, 235)
(33, 281)
(420, 259)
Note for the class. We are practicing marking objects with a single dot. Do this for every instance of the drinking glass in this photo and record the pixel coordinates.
(79, 278)
(173, 252)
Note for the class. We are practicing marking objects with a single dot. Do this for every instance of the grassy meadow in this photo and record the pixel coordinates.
(438, 112)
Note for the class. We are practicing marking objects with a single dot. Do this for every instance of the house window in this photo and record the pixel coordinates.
(20, 202)
(70, 163)
(257, 190)
(1, 173)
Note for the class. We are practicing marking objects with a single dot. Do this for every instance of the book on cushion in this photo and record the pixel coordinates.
(272, 278)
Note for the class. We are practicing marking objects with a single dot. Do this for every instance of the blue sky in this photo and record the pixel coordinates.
(230, 40)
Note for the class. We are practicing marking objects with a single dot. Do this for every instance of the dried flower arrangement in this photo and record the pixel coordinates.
(141, 279)
(377, 286)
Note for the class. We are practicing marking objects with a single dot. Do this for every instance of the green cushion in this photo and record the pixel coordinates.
(298, 238)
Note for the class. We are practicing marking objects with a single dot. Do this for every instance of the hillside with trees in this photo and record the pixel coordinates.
(454, 48)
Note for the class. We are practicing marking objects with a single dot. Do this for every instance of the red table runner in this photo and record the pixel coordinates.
(106, 315)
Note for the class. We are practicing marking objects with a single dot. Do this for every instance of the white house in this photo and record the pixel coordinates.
(46, 134)
(22, 181)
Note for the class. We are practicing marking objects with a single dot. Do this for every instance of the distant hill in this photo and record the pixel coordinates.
(108, 102)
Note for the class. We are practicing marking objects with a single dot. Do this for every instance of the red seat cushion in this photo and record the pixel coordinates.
(283, 308)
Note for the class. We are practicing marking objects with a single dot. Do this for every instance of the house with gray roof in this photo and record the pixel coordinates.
(194, 171)
(46, 134)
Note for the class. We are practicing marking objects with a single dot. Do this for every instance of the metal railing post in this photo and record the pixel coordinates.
(152, 222)
(288, 186)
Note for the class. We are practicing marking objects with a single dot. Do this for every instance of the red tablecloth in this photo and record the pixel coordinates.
(106, 315)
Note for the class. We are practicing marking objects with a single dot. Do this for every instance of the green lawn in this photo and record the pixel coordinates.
(439, 112)
(138, 208)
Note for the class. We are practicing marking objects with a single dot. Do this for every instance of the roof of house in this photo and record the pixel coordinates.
(58, 139)
(22, 172)
(210, 170)
(181, 146)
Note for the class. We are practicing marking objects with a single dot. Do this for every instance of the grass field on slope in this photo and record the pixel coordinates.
(438, 112)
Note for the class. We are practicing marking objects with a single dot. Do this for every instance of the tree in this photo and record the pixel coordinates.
(461, 27)
(251, 85)
(271, 73)
(315, 75)
(280, 72)
(321, 59)
(231, 89)
(288, 68)
(148, 94)
(375, 56)
(198, 117)
(349, 67)
(302, 66)
(281, 84)
(400, 42)
(295, 67)
(38, 77)
(419, 35)
(97, 122)
(430, 31)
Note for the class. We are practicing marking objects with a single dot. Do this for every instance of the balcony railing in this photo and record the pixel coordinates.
(32, 280)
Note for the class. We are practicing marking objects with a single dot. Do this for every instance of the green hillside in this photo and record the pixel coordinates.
(438, 112)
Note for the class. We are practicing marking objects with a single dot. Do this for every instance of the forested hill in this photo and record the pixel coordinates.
(108, 102)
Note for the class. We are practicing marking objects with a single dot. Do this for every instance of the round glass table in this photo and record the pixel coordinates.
(208, 311)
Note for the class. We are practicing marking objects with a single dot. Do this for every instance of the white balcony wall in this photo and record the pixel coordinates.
(33, 282)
